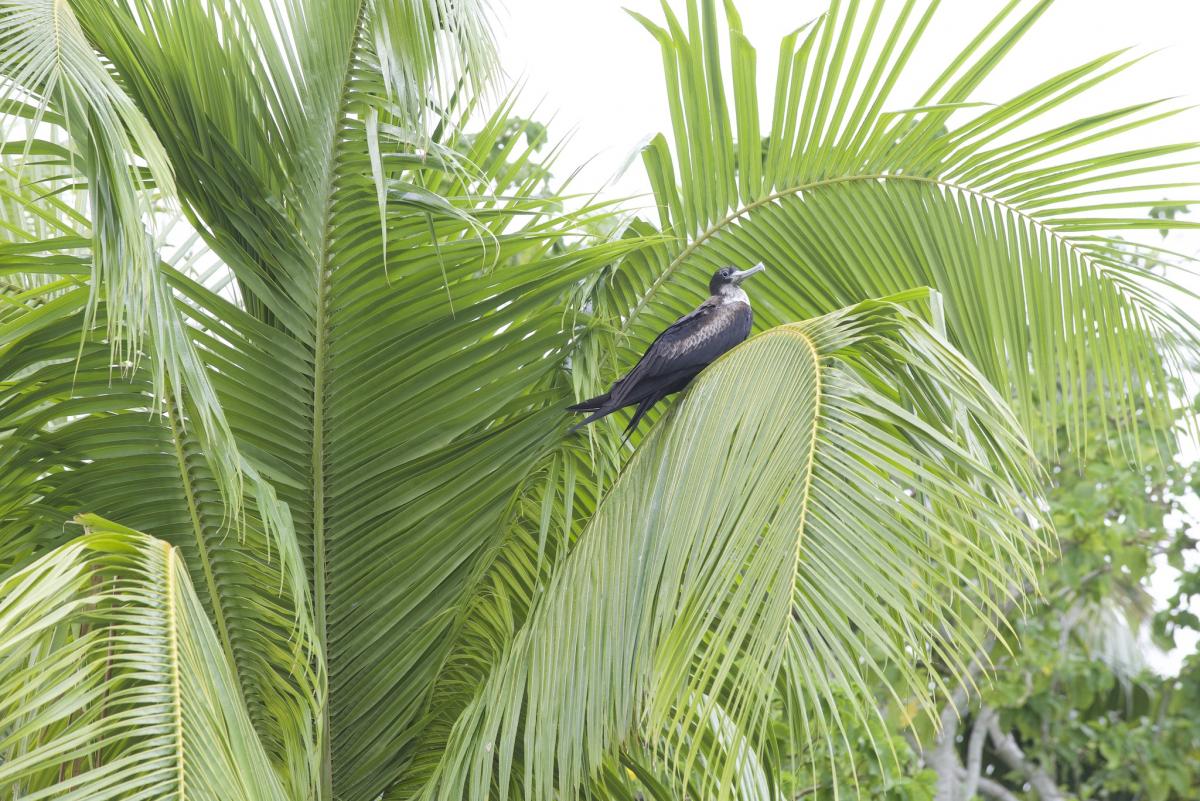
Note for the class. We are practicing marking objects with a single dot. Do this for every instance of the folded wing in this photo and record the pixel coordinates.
(676, 356)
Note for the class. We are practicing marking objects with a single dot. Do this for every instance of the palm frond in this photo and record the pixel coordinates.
(268, 109)
(76, 438)
(342, 411)
(363, 311)
(806, 513)
(237, 130)
(556, 499)
(119, 690)
(416, 67)
(49, 60)
(848, 195)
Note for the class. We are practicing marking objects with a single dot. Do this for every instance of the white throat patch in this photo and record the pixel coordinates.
(732, 294)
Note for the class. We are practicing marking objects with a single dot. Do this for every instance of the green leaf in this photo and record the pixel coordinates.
(1011, 218)
(113, 685)
(78, 438)
(805, 513)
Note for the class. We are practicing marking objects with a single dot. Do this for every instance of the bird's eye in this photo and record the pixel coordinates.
(725, 273)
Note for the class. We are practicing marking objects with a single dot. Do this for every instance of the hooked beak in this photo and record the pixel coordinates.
(742, 275)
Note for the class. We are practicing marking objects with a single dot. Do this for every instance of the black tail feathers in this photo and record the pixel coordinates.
(591, 404)
(640, 412)
(595, 415)
(598, 408)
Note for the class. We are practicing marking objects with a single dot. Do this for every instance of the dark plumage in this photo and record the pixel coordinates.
(679, 353)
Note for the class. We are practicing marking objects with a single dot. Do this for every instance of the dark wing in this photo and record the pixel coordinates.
(687, 346)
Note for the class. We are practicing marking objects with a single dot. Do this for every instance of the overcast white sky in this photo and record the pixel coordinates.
(593, 69)
(599, 72)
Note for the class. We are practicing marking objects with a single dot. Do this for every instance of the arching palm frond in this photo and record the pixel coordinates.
(79, 437)
(846, 195)
(54, 78)
(806, 512)
(120, 689)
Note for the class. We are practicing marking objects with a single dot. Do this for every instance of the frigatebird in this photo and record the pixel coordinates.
(680, 352)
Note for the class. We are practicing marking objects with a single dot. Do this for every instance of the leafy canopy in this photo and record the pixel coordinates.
(347, 426)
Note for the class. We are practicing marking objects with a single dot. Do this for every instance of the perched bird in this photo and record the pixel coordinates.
(679, 353)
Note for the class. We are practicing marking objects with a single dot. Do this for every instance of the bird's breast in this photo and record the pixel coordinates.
(727, 325)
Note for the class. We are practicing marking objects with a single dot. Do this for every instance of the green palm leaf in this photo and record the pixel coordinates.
(47, 57)
(334, 376)
(804, 516)
(76, 438)
(119, 690)
(846, 196)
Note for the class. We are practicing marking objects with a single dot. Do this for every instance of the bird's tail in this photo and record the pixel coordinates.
(591, 404)
(591, 418)
(640, 412)
(598, 408)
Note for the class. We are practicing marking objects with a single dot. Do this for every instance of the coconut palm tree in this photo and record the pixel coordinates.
(289, 506)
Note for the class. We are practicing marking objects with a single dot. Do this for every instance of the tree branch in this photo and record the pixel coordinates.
(1008, 750)
(943, 758)
(994, 789)
(975, 752)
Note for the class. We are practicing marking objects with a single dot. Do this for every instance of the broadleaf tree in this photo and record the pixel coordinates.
(404, 576)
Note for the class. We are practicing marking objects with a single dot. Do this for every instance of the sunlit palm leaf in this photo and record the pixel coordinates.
(48, 59)
(113, 684)
(846, 195)
(806, 513)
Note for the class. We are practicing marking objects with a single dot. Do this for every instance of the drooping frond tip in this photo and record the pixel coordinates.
(428, 50)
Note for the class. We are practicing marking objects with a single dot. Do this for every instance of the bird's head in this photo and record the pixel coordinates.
(727, 276)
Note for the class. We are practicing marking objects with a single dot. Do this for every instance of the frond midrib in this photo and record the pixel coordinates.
(320, 355)
(1087, 258)
(818, 398)
(173, 656)
(174, 418)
